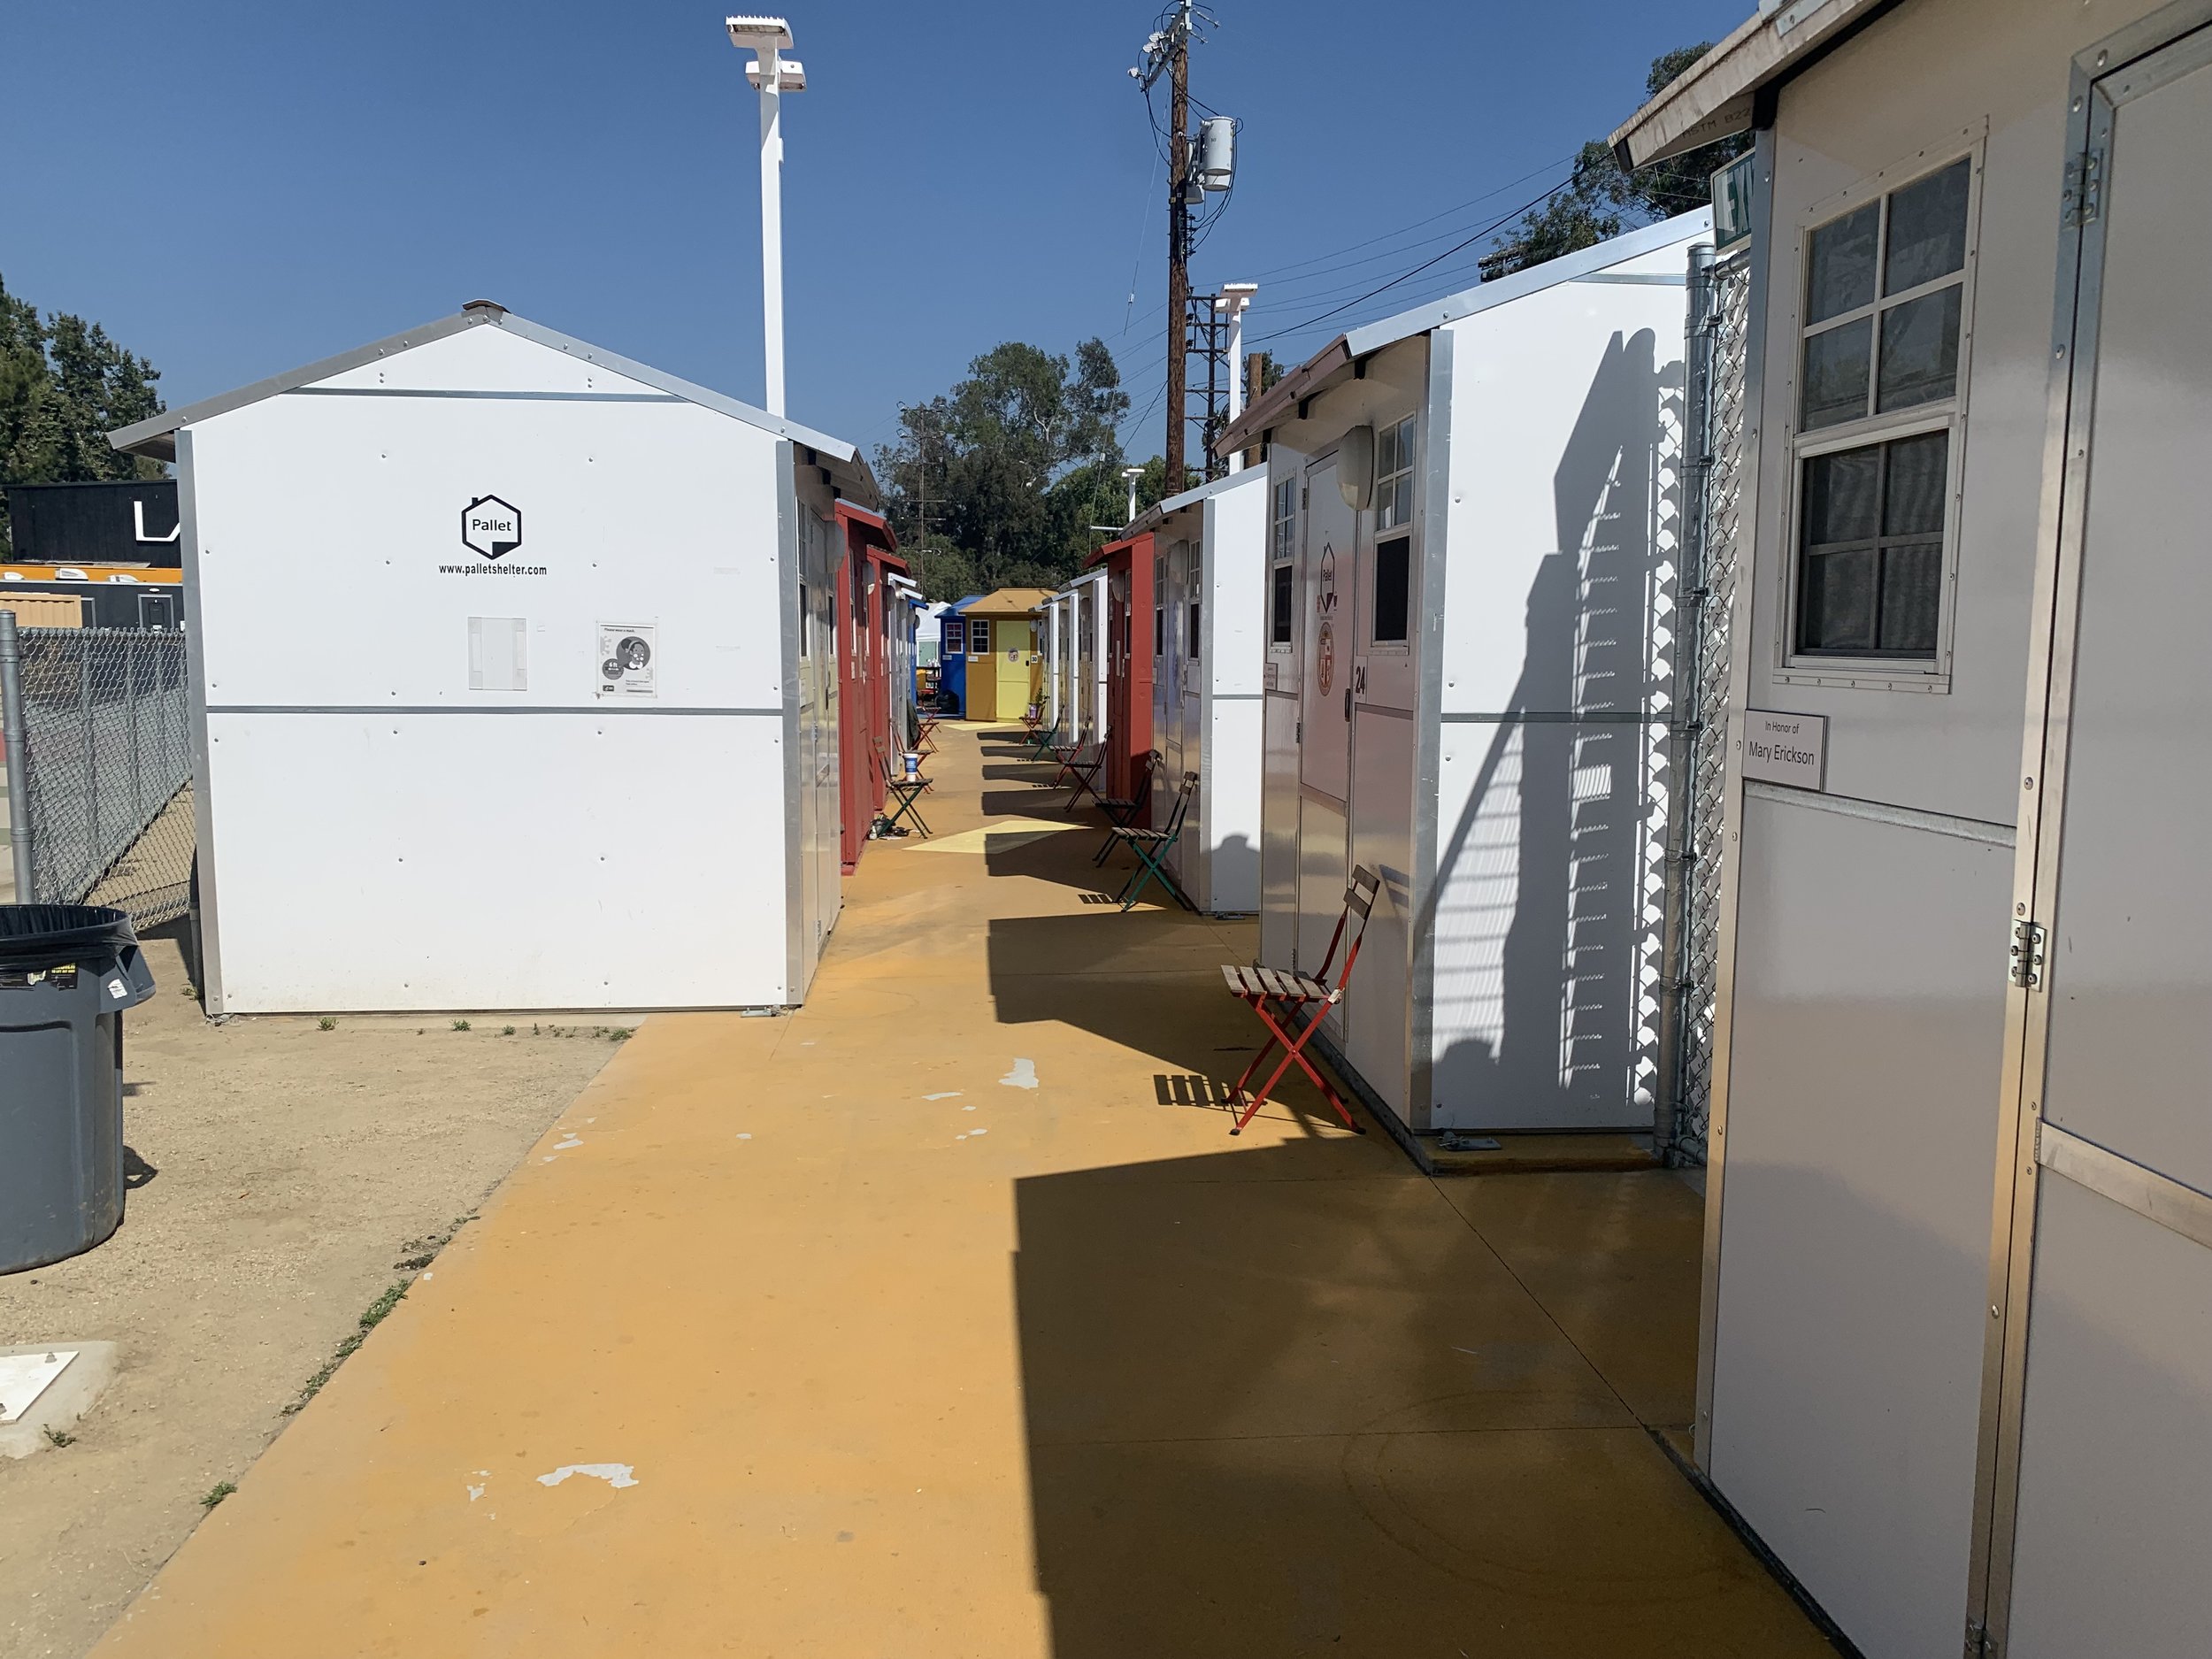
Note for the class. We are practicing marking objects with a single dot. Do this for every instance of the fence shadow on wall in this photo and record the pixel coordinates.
(1539, 904)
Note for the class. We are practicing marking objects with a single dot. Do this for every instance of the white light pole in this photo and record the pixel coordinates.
(774, 75)
(1132, 474)
(1234, 297)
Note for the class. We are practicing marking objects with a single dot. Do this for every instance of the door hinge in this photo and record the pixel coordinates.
(2027, 955)
(1305, 494)
(1299, 736)
(1979, 1643)
(2083, 194)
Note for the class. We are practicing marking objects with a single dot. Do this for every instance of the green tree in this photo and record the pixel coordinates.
(1602, 199)
(998, 480)
(64, 387)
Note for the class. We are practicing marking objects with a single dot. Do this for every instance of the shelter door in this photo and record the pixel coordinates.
(2105, 1401)
(1325, 712)
(1192, 855)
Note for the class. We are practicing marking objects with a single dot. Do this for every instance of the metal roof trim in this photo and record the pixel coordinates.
(1714, 99)
(157, 437)
(1154, 515)
(1317, 373)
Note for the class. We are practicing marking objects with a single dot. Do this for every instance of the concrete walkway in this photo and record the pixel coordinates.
(915, 1324)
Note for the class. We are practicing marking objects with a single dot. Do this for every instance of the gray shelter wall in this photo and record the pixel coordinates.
(1867, 1027)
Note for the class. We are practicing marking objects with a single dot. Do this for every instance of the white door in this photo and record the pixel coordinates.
(1324, 712)
(2111, 1394)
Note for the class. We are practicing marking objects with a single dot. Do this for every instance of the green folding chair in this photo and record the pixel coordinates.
(1152, 847)
(906, 793)
(1042, 739)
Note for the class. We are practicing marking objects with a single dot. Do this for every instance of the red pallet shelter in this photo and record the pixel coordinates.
(865, 662)
(1131, 649)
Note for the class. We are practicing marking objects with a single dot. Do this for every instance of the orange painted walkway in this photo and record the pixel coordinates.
(831, 1335)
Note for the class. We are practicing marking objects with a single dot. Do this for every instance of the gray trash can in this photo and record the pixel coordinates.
(67, 972)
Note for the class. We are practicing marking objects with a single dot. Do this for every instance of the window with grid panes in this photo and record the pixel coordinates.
(979, 637)
(1884, 305)
(1282, 544)
(1388, 606)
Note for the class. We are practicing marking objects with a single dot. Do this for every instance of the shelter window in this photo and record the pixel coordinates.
(1394, 589)
(1885, 311)
(1197, 589)
(1394, 476)
(1159, 605)
(1282, 545)
(979, 637)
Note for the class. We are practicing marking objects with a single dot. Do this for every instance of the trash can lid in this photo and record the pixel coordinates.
(33, 933)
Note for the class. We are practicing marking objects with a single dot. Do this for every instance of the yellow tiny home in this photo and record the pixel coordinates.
(1004, 624)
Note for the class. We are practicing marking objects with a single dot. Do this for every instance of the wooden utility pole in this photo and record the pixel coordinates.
(1255, 371)
(1178, 244)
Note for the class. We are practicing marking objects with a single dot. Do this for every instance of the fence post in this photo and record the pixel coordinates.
(1683, 706)
(12, 727)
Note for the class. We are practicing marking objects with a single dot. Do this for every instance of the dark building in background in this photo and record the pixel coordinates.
(129, 523)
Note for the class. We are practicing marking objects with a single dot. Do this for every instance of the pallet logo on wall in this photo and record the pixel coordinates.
(491, 526)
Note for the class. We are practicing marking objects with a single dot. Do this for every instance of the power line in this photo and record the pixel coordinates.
(1404, 276)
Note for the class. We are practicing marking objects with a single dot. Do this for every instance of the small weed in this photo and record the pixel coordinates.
(460, 1024)
(536, 1030)
(370, 1320)
(506, 1031)
(326, 1024)
(54, 1436)
(216, 1494)
(620, 1034)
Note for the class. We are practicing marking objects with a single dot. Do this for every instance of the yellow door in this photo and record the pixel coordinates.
(1011, 662)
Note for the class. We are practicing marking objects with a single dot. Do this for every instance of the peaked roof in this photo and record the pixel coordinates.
(1006, 601)
(1304, 380)
(1712, 99)
(157, 437)
(1154, 515)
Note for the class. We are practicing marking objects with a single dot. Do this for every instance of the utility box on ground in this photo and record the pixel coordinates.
(516, 680)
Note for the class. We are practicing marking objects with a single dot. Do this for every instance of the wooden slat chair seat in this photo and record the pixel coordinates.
(1292, 1006)
(1152, 847)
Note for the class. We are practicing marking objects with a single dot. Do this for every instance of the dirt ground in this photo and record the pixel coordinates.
(283, 1177)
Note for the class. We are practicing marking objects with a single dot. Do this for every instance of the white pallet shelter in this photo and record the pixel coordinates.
(515, 685)
(1087, 660)
(1209, 586)
(1468, 548)
(1056, 629)
(1957, 1363)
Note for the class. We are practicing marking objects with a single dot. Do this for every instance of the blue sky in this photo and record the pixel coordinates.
(235, 188)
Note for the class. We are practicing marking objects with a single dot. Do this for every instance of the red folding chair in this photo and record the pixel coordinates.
(1272, 992)
(1081, 773)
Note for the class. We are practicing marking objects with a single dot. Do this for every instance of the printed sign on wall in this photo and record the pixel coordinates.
(626, 665)
(1785, 749)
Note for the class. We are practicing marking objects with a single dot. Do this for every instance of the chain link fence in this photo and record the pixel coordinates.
(97, 723)
(1718, 357)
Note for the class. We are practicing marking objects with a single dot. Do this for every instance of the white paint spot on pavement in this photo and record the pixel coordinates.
(978, 1132)
(967, 1109)
(744, 1137)
(1023, 1076)
(950, 1093)
(567, 1145)
(613, 1474)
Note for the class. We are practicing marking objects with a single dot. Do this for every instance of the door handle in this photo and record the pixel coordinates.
(1348, 703)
